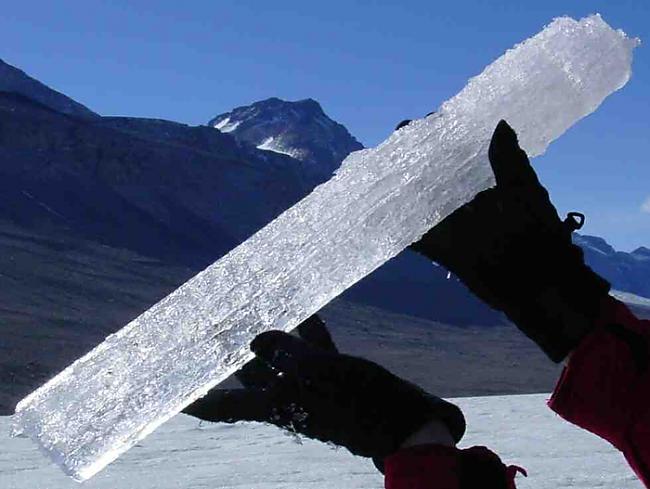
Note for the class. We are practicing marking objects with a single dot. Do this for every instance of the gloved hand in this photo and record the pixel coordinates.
(511, 249)
(305, 385)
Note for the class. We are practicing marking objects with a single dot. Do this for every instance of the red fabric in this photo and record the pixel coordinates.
(605, 387)
(423, 467)
(441, 467)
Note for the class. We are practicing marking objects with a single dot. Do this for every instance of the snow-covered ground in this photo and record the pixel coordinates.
(185, 454)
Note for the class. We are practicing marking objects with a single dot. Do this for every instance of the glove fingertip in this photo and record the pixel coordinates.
(229, 406)
(509, 162)
(256, 374)
(265, 343)
(503, 143)
(505, 131)
(314, 331)
(280, 350)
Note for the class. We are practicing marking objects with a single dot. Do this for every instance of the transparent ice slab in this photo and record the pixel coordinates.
(379, 202)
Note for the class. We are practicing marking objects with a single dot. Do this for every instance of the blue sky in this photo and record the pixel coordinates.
(369, 63)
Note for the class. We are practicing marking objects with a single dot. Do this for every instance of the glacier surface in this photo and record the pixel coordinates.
(379, 202)
(187, 454)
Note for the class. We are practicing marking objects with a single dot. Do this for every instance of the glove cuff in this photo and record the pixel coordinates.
(561, 314)
(447, 413)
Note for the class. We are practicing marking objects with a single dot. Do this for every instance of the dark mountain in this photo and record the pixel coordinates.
(182, 194)
(628, 272)
(102, 217)
(14, 80)
(299, 129)
(61, 294)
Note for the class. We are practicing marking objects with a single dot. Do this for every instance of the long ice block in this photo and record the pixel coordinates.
(379, 202)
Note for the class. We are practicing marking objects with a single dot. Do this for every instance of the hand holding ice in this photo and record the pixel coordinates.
(379, 202)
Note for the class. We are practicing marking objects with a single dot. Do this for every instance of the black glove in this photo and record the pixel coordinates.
(510, 248)
(304, 384)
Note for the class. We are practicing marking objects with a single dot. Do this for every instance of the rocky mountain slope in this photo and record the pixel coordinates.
(163, 189)
(17, 81)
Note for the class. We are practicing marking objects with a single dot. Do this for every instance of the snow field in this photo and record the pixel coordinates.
(185, 454)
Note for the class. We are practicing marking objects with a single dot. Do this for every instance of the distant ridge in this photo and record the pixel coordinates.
(17, 81)
(627, 272)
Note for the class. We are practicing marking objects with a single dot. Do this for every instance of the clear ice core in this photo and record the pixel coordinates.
(380, 201)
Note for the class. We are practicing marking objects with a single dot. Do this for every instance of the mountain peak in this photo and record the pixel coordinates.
(642, 252)
(300, 129)
(14, 80)
(307, 103)
(594, 243)
(627, 272)
(310, 104)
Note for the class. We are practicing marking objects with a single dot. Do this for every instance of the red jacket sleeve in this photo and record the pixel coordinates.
(423, 467)
(441, 467)
(605, 387)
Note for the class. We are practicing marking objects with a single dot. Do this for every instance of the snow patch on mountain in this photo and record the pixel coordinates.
(226, 126)
(276, 145)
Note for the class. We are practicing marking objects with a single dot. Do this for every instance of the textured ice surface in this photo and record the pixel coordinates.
(379, 202)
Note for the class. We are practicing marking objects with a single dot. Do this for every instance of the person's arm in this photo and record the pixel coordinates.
(509, 246)
(605, 386)
(511, 249)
